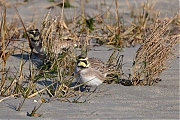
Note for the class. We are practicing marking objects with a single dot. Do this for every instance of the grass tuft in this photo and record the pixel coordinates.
(54, 76)
(155, 54)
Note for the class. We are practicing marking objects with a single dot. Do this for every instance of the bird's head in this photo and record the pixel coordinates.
(34, 35)
(83, 61)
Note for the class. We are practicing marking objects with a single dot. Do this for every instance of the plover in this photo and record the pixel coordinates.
(91, 71)
(56, 45)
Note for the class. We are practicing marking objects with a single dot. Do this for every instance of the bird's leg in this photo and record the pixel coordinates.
(94, 89)
(86, 88)
(31, 51)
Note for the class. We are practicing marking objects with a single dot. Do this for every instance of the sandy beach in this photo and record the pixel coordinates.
(110, 101)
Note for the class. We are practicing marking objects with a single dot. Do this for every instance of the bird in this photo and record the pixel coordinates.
(37, 42)
(91, 71)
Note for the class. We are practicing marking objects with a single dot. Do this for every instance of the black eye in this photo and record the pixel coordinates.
(84, 61)
(37, 33)
(31, 32)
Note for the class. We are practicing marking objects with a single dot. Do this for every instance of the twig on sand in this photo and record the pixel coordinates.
(8, 97)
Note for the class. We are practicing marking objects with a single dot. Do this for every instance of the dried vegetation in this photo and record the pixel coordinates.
(158, 38)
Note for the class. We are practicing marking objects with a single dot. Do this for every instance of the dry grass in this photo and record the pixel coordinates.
(158, 48)
(155, 54)
(115, 59)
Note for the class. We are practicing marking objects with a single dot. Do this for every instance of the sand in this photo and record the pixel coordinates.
(110, 101)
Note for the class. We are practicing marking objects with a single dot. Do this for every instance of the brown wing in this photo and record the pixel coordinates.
(97, 64)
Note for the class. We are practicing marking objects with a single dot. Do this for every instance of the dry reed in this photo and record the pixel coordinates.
(158, 48)
(155, 54)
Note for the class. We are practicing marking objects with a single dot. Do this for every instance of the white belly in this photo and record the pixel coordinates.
(87, 79)
(38, 47)
(90, 80)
